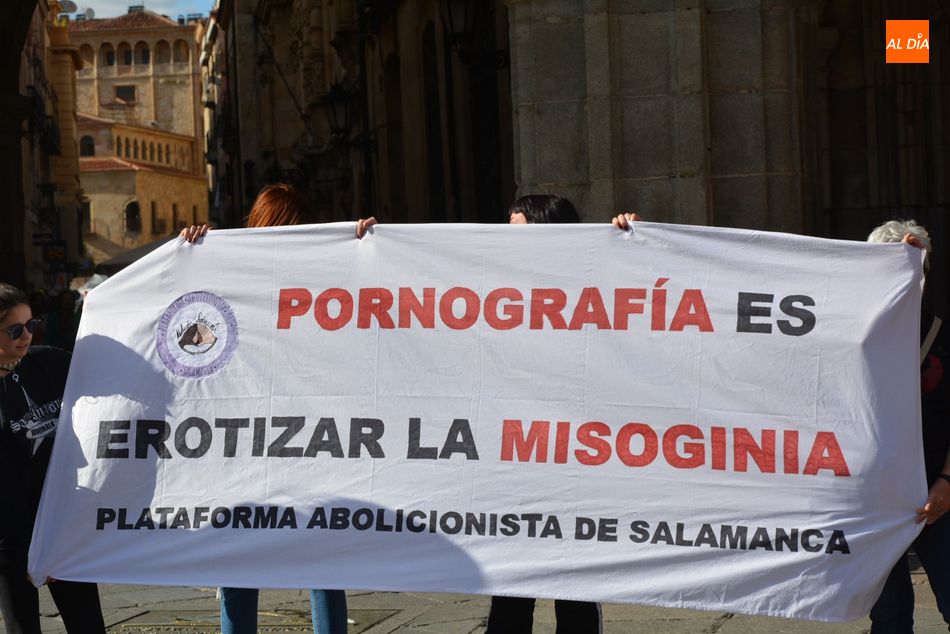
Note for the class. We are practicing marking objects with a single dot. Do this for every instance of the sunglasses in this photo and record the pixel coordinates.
(16, 330)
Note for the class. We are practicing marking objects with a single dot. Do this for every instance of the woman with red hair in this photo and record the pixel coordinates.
(280, 205)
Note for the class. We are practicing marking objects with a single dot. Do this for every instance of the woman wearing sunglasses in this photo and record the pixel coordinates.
(32, 381)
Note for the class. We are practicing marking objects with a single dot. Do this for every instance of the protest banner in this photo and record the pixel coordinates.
(676, 416)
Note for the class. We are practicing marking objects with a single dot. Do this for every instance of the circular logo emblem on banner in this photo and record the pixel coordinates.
(197, 335)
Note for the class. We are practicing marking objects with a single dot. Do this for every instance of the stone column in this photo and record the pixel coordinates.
(609, 106)
(549, 99)
(686, 111)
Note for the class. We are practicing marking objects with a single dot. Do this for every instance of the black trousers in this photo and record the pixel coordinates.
(515, 615)
(78, 604)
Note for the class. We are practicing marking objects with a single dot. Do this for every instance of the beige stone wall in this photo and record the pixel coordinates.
(690, 112)
(108, 194)
(165, 87)
(103, 137)
(64, 168)
(179, 201)
(50, 173)
(186, 194)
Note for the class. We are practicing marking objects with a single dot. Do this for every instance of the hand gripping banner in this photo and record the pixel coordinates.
(676, 416)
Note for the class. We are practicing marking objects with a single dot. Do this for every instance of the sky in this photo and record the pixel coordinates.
(171, 8)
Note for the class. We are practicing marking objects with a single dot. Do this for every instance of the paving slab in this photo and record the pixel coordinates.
(136, 609)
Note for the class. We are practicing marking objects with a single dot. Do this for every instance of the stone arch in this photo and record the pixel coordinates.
(168, 154)
(181, 53)
(133, 217)
(135, 149)
(87, 146)
(123, 54)
(163, 52)
(143, 55)
(118, 145)
(127, 146)
(151, 151)
(88, 56)
(106, 54)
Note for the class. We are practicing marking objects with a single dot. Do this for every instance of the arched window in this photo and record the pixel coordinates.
(181, 52)
(123, 53)
(168, 154)
(127, 153)
(151, 151)
(106, 55)
(142, 55)
(88, 56)
(163, 52)
(133, 218)
(87, 146)
(118, 146)
(135, 149)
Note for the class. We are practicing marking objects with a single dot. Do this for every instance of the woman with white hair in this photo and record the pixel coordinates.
(894, 609)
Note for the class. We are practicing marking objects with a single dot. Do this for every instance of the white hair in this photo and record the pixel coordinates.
(895, 230)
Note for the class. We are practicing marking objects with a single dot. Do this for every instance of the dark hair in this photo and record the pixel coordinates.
(544, 209)
(279, 205)
(10, 296)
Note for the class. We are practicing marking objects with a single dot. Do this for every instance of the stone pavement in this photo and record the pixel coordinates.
(153, 609)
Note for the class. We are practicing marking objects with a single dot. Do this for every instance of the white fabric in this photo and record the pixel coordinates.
(850, 381)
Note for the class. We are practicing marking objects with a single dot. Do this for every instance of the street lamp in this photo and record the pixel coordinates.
(339, 104)
(458, 17)
(471, 33)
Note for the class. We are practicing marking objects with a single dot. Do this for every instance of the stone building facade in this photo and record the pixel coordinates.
(140, 126)
(764, 114)
(141, 68)
(15, 19)
(438, 112)
(141, 184)
(266, 65)
(419, 134)
(154, 203)
(50, 239)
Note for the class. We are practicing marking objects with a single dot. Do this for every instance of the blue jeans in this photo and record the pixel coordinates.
(893, 613)
(239, 611)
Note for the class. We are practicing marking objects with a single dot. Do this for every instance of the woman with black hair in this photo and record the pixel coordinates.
(515, 615)
(542, 209)
(32, 381)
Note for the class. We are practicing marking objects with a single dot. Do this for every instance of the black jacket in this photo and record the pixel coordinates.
(935, 399)
(30, 402)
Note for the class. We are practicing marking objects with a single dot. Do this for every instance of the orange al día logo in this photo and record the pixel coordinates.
(908, 42)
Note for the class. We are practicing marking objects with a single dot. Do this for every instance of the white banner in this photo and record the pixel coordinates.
(676, 416)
